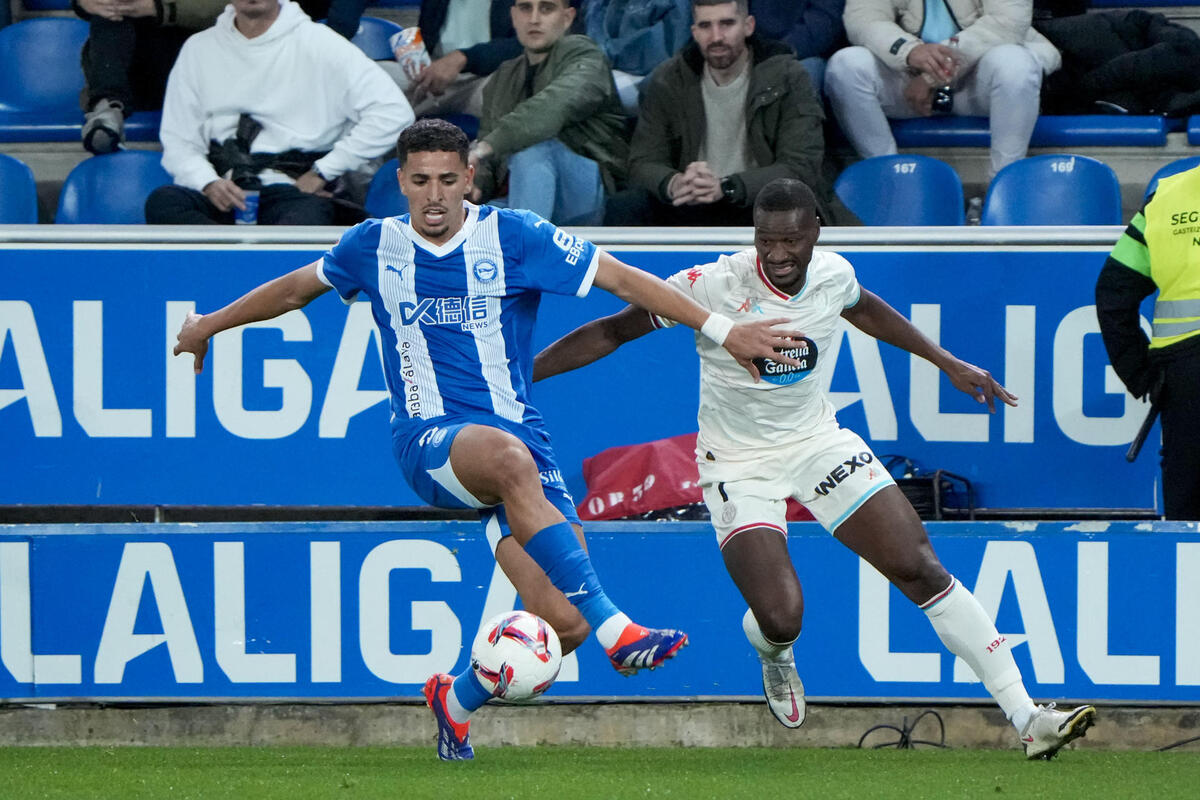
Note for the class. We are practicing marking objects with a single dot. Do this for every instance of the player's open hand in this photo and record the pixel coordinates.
(980, 384)
(192, 339)
(750, 340)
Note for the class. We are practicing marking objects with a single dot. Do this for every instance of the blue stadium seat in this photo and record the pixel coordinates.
(902, 190)
(47, 5)
(1193, 129)
(1054, 190)
(1176, 166)
(383, 195)
(1067, 130)
(18, 193)
(111, 189)
(40, 82)
(39, 65)
(372, 37)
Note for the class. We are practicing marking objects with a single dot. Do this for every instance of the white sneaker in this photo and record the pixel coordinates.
(784, 691)
(1049, 729)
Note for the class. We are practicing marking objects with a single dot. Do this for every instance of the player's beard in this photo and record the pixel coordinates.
(723, 58)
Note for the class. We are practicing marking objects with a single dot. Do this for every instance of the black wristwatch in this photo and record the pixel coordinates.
(729, 189)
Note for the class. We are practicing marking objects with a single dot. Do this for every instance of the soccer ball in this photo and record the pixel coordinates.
(516, 655)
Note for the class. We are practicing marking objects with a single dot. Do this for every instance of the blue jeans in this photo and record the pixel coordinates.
(557, 183)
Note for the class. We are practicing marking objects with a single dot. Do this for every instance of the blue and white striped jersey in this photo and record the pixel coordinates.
(456, 320)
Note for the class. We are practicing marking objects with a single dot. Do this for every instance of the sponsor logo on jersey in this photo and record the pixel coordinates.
(749, 305)
(569, 244)
(398, 270)
(468, 313)
(844, 470)
(485, 270)
(728, 513)
(783, 374)
(412, 391)
(694, 274)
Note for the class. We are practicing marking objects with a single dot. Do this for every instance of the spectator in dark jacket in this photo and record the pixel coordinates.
(813, 28)
(1131, 62)
(728, 114)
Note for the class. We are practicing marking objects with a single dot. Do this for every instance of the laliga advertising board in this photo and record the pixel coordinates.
(1093, 611)
(293, 411)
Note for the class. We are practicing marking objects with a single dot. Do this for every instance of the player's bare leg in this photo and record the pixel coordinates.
(760, 565)
(887, 532)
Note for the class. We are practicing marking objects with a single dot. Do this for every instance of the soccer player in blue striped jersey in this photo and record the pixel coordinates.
(454, 290)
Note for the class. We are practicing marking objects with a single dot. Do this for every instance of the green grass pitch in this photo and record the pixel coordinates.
(296, 773)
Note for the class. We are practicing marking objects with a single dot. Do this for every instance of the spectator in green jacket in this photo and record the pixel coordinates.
(552, 127)
(725, 116)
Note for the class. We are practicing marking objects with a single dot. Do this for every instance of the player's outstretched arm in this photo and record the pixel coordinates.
(745, 341)
(873, 316)
(592, 342)
(288, 292)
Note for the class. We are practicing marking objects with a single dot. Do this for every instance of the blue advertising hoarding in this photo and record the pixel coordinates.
(346, 611)
(95, 409)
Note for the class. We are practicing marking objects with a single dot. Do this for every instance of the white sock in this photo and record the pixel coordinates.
(767, 650)
(966, 630)
(455, 708)
(611, 629)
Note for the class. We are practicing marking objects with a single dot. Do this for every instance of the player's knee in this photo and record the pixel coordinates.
(920, 578)
(781, 622)
(512, 466)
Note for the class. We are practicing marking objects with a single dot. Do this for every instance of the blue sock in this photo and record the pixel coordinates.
(557, 551)
(469, 691)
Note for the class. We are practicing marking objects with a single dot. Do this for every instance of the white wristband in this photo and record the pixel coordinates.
(717, 327)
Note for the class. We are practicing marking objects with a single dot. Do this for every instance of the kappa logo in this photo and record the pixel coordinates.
(694, 274)
(843, 471)
(485, 270)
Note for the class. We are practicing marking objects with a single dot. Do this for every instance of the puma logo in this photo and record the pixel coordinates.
(577, 593)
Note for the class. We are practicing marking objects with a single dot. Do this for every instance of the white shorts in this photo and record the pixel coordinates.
(832, 474)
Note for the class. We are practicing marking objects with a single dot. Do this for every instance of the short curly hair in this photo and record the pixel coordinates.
(432, 135)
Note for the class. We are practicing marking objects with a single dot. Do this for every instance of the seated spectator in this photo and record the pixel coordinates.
(914, 58)
(466, 40)
(725, 116)
(130, 49)
(269, 99)
(636, 36)
(552, 126)
(813, 28)
(1123, 62)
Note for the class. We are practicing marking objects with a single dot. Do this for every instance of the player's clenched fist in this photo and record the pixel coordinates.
(192, 339)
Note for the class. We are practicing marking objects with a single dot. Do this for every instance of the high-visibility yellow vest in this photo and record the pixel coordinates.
(1173, 240)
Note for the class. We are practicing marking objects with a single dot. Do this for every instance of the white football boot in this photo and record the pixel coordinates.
(1049, 729)
(783, 689)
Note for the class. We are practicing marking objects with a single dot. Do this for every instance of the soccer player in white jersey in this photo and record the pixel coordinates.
(454, 290)
(762, 442)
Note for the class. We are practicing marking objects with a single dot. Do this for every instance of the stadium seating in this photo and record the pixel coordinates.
(18, 193)
(383, 195)
(1176, 166)
(372, 37)
(47, 5)
(902, 190)
(1193, 129)
(1068, 130)
(1054, 190)
(40, 82)
(111, 189)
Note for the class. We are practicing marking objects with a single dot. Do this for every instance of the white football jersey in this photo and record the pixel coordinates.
(741, 420)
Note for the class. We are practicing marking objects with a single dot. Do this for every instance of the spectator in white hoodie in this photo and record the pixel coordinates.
(267, 99)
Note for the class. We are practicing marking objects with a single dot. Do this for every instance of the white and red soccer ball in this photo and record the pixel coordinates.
(516, 655)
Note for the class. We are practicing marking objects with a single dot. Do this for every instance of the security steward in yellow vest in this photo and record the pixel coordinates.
(1160, 250)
